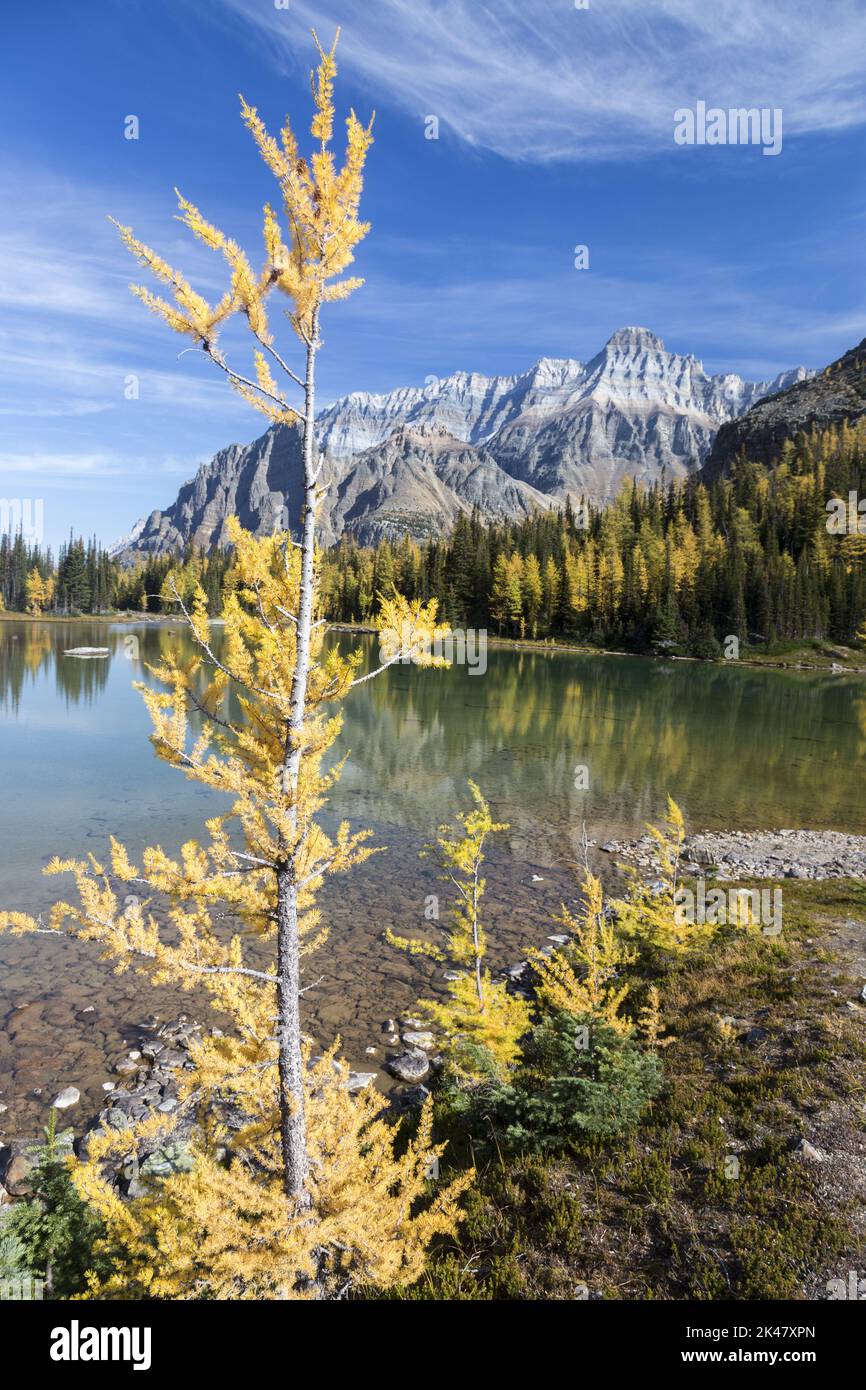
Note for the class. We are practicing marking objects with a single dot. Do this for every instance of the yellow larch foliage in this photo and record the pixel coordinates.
(584, 977)
(480, 1023)
(304, 260)
(650, 1022)
(228, 1231)
(311, 1193)
(408, 631)
(231, 1230)
(649, 911)
(39, 590)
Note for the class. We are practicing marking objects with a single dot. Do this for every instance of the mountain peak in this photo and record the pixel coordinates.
(635, 339)
(410, 459)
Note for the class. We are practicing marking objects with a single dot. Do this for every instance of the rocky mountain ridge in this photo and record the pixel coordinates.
(825, 398)
(411, 459)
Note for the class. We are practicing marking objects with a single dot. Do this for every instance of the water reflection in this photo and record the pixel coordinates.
(736, 747)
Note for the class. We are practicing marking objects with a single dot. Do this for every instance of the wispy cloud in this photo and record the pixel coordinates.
(47, 466)
(529, 79)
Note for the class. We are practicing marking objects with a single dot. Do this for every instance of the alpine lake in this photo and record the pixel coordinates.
(557, 741)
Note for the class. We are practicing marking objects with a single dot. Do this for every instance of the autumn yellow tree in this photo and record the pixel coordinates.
(585, 977)
(306, 265)
(300, 1158)
(650, 912)
(39, 590)
(481, 1023)
(247, 1233)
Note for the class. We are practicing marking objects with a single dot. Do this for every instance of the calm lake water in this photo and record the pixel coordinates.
(737, 748)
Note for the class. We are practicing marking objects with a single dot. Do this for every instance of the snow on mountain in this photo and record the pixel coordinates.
(408, 460)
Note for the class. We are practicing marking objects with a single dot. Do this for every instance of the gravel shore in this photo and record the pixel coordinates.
(774, 854)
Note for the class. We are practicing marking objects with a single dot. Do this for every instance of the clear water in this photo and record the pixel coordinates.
(737, 748)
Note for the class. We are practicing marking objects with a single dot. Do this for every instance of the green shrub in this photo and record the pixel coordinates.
(13, 1256)
(54, 1231)
(566, 1092)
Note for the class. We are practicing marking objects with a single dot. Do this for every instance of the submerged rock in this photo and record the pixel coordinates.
(70, 1095)
(360, 1080)
(412, 1065)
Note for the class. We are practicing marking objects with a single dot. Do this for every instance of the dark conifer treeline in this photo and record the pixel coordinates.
(685, 567)
(85, 579)
(681, 567)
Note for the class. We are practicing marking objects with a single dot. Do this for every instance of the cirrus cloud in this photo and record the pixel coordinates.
(531, 79)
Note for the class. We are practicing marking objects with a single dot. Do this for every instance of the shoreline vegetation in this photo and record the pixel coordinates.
(716, 1153)
(786, 656)
(758, 562)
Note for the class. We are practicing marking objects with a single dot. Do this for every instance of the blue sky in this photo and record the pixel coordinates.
(555, 129)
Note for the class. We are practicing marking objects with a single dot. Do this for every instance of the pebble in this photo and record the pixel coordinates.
(70, 1095)
(809, 1153)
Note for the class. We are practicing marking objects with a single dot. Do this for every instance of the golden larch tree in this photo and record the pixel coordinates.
(481, 1023)
(253, 717)
(321, 205)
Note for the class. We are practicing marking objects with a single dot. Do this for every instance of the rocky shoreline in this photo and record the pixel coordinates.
(764, 854)
(147, 1083)
(146, 1078)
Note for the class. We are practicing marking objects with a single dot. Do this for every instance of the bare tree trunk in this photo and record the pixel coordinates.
(478, 984)
(293, 1124)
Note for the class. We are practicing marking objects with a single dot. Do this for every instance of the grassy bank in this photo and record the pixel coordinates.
(714, 1195)
(77, 618)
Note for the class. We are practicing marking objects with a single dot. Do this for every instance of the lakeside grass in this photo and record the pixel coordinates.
(72, 619)
(710, 1198)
